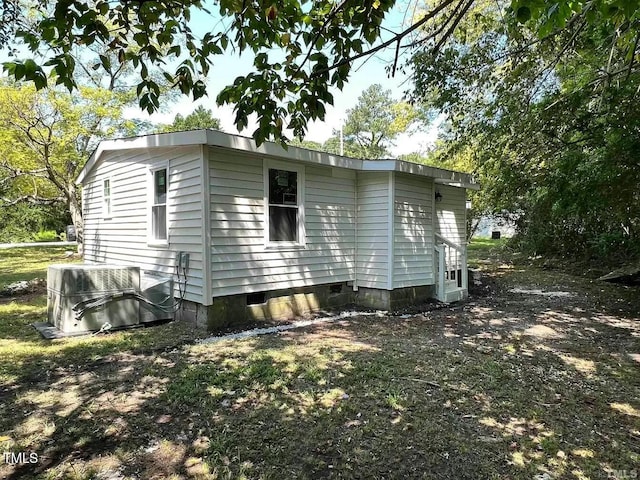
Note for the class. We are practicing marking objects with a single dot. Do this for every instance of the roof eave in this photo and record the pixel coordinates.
(219, 139)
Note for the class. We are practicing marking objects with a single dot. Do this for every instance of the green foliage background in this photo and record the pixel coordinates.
(22, 222)
(546, 115)
(200, 118)
(540, 97)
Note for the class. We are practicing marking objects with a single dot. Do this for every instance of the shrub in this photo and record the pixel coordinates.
(18, 223)
(46, 236)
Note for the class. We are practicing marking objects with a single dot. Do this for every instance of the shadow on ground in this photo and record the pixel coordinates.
(506, 385)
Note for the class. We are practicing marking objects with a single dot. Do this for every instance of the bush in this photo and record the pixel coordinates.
(18, 223)
(46, 236)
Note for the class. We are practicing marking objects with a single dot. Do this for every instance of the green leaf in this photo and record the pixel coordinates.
(40, 79)
(106, 62)
(140, 38)
(9, 67)
(19, 71)
(29, 68)
(48, 33)
(523, 14)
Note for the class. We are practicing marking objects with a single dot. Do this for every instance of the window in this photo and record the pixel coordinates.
(284, 206)
(106, 198)
(159, 205)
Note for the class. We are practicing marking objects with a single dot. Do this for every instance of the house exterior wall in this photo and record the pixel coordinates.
(347, 220)
(240, 260)
(123, 237)
(373, 230)
(451, 214)
(504, 224)
(413, 231)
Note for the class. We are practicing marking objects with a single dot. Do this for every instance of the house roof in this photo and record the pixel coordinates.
(215, 138)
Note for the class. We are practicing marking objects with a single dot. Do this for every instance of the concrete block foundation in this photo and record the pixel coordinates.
(392, 299)
(281, 305)
(195, 313)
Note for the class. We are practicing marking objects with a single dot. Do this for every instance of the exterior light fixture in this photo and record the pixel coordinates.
(438, 196)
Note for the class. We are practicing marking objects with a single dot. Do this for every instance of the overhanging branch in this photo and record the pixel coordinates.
(32, 199)
(17, 172)
(396, 38)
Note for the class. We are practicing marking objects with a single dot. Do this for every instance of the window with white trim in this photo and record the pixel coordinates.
(284, 206)
(159, 205)
(106, 198)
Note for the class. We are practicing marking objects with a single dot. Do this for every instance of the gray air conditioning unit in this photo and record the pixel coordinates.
(68, 285)
(157, 290)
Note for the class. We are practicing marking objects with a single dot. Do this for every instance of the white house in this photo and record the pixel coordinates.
(271, 233)
(496, 226)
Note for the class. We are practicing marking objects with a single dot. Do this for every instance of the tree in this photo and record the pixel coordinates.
(318, 42)
(373, 124)
(46, 138)
(286, 89)
(499, 70)
(308, 144)
(200, 118)
(550, 119)
(23, 221)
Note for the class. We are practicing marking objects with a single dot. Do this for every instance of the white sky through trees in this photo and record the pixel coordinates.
(365, 73)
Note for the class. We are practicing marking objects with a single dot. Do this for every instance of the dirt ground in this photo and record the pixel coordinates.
(536, 376)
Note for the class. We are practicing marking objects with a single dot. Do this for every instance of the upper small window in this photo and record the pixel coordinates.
(159, 205)
(106, 198)
(284, 207)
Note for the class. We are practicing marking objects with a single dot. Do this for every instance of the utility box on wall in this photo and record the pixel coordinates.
(68, 285)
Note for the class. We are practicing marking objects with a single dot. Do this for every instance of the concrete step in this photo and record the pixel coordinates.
(454, 295)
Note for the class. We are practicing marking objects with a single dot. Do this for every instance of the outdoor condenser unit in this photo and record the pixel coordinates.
(157, 289)
(69, 284)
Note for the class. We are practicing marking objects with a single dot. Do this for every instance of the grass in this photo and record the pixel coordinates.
(29, 263)
(505, 386)
(486, 251)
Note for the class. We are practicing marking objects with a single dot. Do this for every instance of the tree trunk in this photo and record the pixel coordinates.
(76, 215)
(472, 227)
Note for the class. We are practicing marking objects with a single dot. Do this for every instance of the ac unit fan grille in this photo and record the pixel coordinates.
(104, 280)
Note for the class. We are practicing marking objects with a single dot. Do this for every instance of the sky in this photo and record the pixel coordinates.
(364, 74)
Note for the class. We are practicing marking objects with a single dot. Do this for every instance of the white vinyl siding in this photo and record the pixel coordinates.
(123, 239)
(240, 261)
(451, 214)
(392, 226)
(413, 231)
(373, 230)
